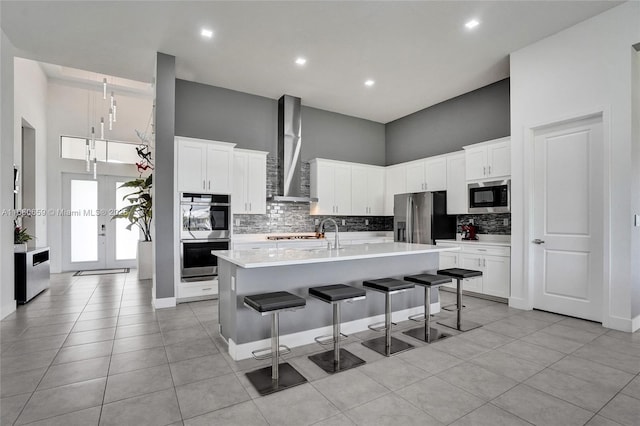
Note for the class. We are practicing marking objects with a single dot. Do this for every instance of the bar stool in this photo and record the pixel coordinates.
(459, 274)
(429, 282)
(337, 359)
(387, 345)
(277, 376)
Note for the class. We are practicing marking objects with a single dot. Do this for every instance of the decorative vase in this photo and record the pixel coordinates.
(145, 260)
(20, 248)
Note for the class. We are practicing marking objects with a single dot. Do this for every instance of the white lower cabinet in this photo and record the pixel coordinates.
(493, 261)
(198, 289)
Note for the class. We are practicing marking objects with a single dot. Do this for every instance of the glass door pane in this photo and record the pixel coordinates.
(126, 240)
(84, 220)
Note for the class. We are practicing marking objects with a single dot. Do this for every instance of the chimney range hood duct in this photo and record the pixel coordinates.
(289, 146)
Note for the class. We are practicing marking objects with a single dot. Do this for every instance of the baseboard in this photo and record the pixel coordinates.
(518, 303)
(165, 302)
(243, 351)
(628, 325)
(8, 308)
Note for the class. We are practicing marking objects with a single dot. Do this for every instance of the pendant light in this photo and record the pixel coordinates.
(102, 128)
(115, 109)
(87, 155)
(104, 88)
(110, 118)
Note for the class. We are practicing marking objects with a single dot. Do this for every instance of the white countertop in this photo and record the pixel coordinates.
(484, 239)
(260, 258)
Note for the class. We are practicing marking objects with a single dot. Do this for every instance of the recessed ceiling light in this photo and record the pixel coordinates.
(369, 83)
(472, 24)
(301, 61)
(206, 33)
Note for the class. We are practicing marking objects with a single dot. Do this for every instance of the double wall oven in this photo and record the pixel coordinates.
(205, 226)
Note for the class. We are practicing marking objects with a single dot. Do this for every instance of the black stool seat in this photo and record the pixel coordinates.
(388, 285)
(336, 292)
(428, 280)
(460, 273)
(278, 300)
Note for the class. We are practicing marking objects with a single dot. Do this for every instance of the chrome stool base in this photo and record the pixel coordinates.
(421, 333)
(288, 377)
(379, 344)
(326, 361)
(461, 326)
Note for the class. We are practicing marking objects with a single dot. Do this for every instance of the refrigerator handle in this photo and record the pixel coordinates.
(409, 226)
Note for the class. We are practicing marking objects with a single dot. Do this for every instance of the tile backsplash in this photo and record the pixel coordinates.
(488, 223)
(294, 217)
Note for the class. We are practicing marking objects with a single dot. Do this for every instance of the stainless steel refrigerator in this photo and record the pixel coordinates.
(422, 218)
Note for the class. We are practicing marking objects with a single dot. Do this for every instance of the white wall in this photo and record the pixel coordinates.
(30, 98)
(584, 69)
(68, 114)
(7, 300)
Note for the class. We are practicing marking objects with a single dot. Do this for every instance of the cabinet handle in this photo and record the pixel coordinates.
(249, 206)
(203, 184)
(208, 288)
(484, 262)
(209, 184)
(484, 170)
(489, 170)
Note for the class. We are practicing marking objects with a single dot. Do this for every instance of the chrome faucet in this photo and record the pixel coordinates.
(336, 244)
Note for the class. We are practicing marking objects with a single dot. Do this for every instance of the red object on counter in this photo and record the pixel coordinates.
(469, 232)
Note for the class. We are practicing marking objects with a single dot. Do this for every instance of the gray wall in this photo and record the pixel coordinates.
(477, 116)
(250, 121)
(163, 190)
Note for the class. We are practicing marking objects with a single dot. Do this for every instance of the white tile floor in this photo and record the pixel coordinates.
(93, 351)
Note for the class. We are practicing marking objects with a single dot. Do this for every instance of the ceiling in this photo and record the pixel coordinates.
(418, 53)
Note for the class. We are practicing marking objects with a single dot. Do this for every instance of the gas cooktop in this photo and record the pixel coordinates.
(292, 237)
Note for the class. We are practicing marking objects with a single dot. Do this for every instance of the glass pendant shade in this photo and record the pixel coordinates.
(102, 128)
(104, 88)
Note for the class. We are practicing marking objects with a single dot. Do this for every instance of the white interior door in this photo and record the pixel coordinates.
(567, 219)
(91, 240)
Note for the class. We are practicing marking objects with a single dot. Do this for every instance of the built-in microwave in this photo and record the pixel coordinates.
(490, 197)
(204, 216)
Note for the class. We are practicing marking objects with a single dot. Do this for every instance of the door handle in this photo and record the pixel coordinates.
(538, 241)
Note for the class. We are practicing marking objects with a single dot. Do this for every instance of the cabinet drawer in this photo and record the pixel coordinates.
(199, 288)
(472, 284)
(486, 250)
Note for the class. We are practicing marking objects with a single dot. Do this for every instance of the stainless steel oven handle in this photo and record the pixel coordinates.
(215, 240)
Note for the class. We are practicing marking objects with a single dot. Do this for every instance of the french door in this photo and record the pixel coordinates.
(91, 240)
(568, 219)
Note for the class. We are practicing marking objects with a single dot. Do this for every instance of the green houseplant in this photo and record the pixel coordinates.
(139, 213)
(20, 238)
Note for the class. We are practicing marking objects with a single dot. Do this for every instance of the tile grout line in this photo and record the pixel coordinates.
(55, 356)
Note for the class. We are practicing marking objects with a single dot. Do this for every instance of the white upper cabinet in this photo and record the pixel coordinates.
(457, 194)
(427, 175)
(488, 160)
(367, 190)
(395, 183)
(204, 166)
(249, 182)
(331, 184)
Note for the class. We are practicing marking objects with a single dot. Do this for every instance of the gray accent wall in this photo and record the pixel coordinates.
(250, 121)
(477, 116)
(163, 196)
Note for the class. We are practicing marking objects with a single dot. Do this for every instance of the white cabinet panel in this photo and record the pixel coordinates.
(375, 191)
(415, 177)
(457, 193)
(331, 184)
(473, 262)
(367, 190)
(488, 160)
(249, 182)
(359, 191)
(436, 174)
(395, 183)
(496, 279)
(499, 159)
(204, 166)
(192, 166)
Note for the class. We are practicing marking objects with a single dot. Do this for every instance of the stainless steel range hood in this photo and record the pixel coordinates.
(289, 147)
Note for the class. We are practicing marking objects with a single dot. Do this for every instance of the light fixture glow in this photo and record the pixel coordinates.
(206, 33)
(301, 61)
(102, 128)
(369, 83)
(472, 24)
(115, 109)
(110, 119)
(104, 88)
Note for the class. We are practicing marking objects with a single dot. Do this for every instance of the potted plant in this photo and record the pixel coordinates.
(139, 213)
(20, 238)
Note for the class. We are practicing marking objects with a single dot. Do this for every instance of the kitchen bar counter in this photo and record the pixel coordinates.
(260, 258)
(245, 272)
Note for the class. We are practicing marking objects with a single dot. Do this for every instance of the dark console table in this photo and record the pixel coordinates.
(31, 273)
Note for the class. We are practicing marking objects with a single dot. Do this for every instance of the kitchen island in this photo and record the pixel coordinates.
(245, 272)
